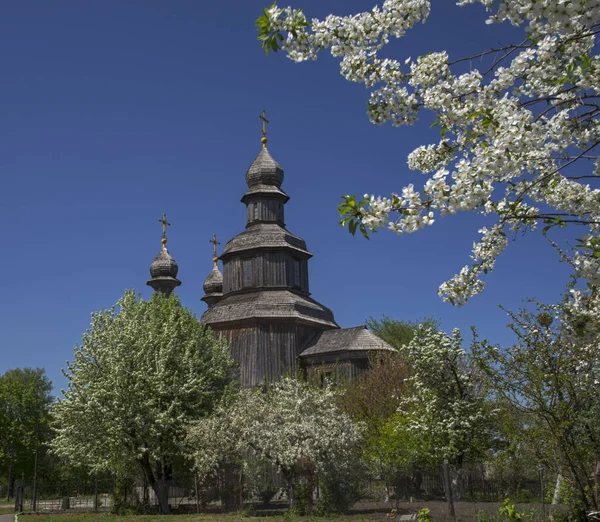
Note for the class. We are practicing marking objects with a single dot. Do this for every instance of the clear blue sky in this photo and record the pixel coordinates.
(114, 112)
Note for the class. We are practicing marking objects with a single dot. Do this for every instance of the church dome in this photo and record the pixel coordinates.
(264, 171)
(163, 265)
(213, 284)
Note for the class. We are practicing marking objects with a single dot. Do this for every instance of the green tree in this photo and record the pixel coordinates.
(398, 333)
(25, 399)
(143, 372)
(392, 455)
(552, 375)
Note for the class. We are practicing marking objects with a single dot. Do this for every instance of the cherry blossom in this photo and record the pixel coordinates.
(519, 137)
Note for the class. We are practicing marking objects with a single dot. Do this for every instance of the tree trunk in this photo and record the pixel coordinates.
(309, 493)
(241, 488)
(559, 483)
(161, 488)
(291, 498)
(597, 481)
(11, 481)
(158, 484)
(35, 469)
(448, 488)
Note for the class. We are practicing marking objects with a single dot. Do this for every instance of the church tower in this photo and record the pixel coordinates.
(263, 306)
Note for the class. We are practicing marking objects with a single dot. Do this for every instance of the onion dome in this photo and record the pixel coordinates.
(214, 282)
(213, 287)
(163, 270)
(264, 171)
(164, 265)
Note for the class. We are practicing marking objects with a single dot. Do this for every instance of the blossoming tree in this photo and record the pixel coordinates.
(519, 138)
(143, 372)
(446, 404)
(296, 426)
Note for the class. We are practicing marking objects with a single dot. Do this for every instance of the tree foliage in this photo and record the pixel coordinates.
(143, 372)
(25, 399)
(552, 375)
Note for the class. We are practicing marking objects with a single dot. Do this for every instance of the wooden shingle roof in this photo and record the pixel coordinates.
(357, 339)
(272, 305)
(265, 235)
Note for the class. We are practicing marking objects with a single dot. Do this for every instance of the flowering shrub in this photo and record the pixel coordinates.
(518, 138)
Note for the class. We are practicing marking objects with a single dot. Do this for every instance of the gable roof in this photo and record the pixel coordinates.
(357, 339)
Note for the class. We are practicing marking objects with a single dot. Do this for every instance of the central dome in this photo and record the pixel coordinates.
(264, 171)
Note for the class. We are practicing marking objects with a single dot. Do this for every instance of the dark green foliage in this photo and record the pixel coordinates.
(398, 333)
(24, 423)
(339, 491)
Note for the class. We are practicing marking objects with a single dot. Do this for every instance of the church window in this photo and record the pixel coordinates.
(256, 211)
(326, 378)
(246, 273)
(297, 272)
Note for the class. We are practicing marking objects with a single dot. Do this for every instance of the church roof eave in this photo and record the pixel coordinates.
(269, 304)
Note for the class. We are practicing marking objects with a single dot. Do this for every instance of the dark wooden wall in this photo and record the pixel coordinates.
(269, 269)
(339, 370)
(265, 210)
(266, 352)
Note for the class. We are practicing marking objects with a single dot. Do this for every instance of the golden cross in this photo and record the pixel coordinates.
(164, 226)
(263, 117)
(215, 243)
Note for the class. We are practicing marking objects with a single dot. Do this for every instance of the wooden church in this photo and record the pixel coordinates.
(261, 302)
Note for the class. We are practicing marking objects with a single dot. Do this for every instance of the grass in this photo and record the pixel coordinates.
(7, 509)
(228, 517)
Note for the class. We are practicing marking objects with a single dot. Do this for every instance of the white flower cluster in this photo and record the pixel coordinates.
(143, 371)
(296, 426)
(519, 140)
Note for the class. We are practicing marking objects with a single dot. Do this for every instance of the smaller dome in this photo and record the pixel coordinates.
(213, 284)
(264, 171)
(163, 265)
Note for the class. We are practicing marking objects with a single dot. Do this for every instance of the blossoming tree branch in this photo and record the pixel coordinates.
(518, 139)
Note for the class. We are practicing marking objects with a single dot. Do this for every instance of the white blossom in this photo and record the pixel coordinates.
(519, 138)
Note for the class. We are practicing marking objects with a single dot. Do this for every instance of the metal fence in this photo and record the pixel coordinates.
(186, 494)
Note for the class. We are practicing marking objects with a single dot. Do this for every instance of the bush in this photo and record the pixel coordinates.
(339, 492)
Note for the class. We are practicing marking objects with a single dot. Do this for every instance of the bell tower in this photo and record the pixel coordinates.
(265, 311)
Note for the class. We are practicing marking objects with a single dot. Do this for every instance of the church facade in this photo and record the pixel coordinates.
(261, 304)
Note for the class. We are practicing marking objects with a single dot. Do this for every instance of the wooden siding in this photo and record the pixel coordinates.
(266, 352)
(341, 370)
(269, 270)
(264, 209)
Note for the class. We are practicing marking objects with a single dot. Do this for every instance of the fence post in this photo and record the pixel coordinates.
(96, 494)
(19, 498)
(197, 493)
(35, 470)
